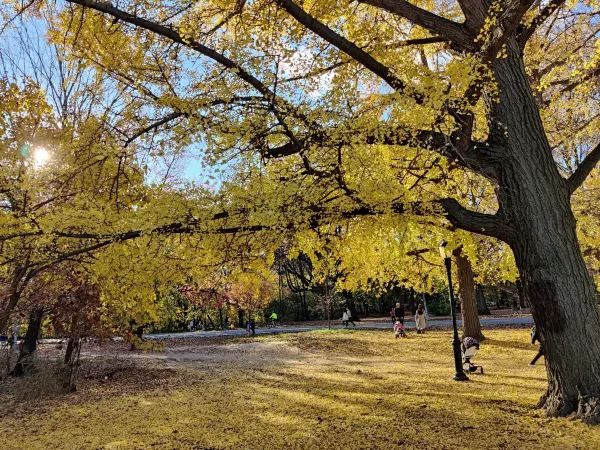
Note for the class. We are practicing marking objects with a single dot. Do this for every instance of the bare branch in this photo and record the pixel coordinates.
(584, 169)
(422, 41)
(153, 126)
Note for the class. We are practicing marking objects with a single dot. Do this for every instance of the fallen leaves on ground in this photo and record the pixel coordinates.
(342, 389)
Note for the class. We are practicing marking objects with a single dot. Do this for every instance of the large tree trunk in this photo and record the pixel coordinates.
(535, 201)
(466, 286)
(29, 343)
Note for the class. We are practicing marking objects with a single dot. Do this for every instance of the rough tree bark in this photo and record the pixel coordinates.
(535, 201)
(70, 363)
(471, 327)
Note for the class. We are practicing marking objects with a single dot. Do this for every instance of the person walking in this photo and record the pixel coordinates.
(535, 336)
(251, 327)
(347, 318)
(399, 313)
(420, 322)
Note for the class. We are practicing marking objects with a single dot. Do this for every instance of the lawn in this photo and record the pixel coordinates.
(344, 389)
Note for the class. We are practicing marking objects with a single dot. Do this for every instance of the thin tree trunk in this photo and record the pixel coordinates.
(466, 284)
(139, 334)
(482, 307)
(212, 324)
(535, 201)
(303, 308)
(29, 344)
(13, 299)
(69, 351)
(522, 302)
(70, 362)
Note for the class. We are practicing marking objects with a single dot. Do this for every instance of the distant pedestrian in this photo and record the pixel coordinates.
(251, 327)
(420, 321)
(191, 325)
(399, 312)
(393, 314)
(347, 318)
(516, 308)
(399, 329)
(273, 319)
(535, 336)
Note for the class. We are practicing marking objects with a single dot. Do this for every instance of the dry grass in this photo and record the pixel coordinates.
(312, 390)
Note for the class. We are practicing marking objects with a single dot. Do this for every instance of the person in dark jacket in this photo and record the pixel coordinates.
(399, 312)
(251, 327)
(535, 336)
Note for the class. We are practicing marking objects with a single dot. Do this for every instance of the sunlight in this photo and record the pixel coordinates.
(41, 156)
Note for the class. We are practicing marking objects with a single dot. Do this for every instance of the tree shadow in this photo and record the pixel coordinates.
(509, 344)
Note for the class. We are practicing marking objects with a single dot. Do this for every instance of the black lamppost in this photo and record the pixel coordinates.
(460, 374)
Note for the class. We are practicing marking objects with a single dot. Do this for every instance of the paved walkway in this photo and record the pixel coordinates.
(486, 322)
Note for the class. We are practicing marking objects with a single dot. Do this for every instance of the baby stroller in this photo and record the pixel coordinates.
(470, 347)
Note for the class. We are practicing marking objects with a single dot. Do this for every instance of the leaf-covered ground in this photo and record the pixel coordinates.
(328, 390)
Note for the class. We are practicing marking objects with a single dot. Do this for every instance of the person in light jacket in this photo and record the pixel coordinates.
(347, 318)
(420, 322)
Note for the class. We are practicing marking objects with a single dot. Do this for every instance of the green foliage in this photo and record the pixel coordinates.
(438, 305)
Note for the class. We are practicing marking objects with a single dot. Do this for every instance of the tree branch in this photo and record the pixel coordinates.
(507, 23)
(422, 41)
(170, 33)
(351, 49)
(451, 31)
(476, 222)
(526, 32)
(220, 58)
(178, 113)
(584, 169)
(153, 126)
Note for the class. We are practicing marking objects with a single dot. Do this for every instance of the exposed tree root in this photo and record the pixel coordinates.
(588, 409)
(585, 408)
